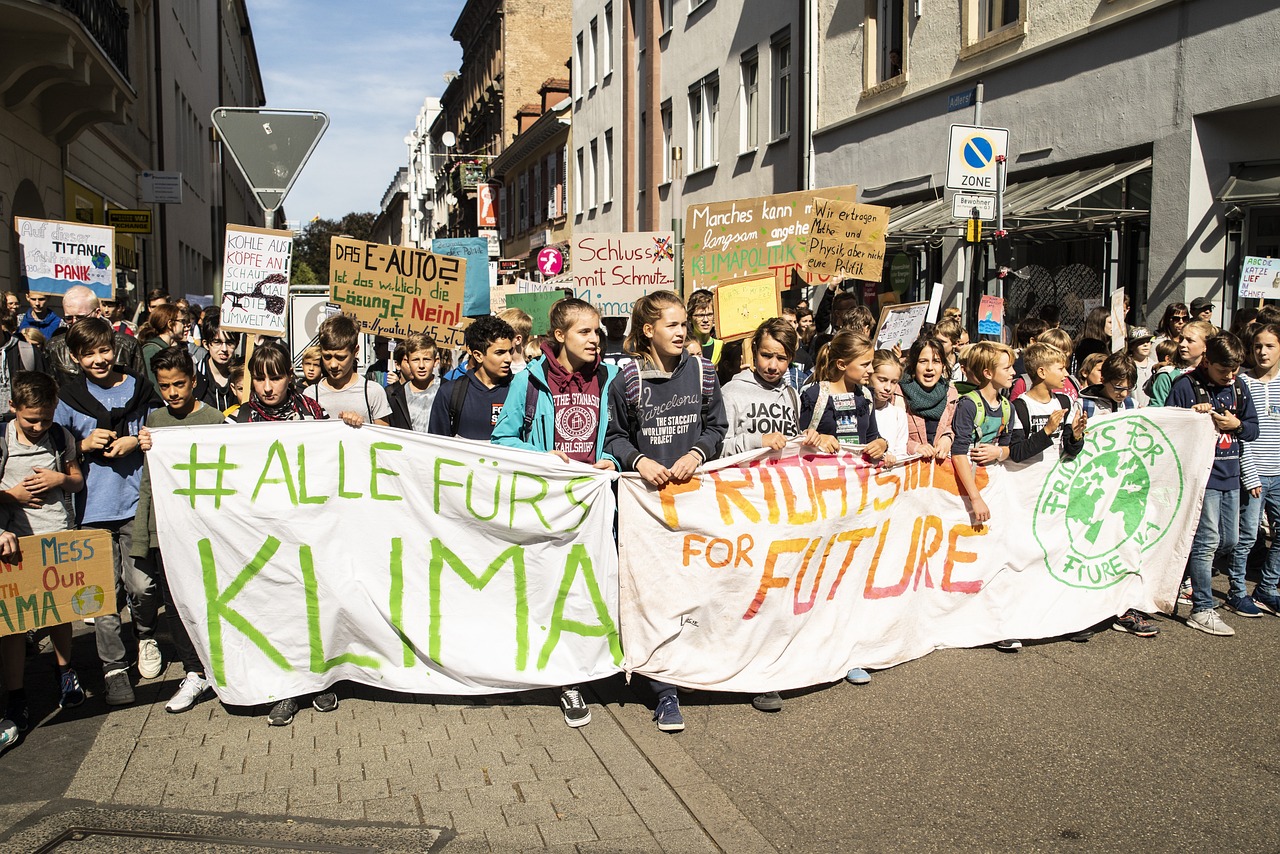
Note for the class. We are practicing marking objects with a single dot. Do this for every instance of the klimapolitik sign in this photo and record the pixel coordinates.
(302, 554)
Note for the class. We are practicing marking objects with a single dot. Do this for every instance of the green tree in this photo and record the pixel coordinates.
(312, 246)
(302, 274)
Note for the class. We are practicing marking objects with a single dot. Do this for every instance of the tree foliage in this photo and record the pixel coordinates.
(302, 274)
(312, 246)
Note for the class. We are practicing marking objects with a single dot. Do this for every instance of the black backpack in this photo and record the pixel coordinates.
(1202, 393)
(61, 439)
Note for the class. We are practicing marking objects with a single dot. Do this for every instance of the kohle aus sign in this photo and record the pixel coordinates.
(255, 279)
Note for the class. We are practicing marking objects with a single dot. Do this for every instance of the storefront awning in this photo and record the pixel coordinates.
(1042, 203)
(1253, 184)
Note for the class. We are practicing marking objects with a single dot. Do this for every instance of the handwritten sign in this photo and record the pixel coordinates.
(1260, 278)
(396, 290)
(537, 306)
(990, 315)
(740, 305)
(612, 271)
(746, 237)
(900, 325)
(255, 279)
(59, 255)
(847, 239)
(475, 250)
(59, 578)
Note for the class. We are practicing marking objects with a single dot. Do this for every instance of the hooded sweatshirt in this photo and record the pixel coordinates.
(576, 396)
(480, 408)
(664, 416)
(1225, 476)
(755, 408)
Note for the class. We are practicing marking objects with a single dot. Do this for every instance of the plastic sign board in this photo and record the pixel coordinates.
(550, 261)
(59, 255)
(161, 188)
(971, 157)
(129, 221)
(1260, 278)
(269, 146)
(963, 206)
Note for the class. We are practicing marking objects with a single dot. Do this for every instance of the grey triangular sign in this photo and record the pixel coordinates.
(269, 146)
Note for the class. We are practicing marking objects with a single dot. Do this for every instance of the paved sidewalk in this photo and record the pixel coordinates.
(500, 773)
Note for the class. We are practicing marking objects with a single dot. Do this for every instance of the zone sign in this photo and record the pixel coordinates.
(971, 157)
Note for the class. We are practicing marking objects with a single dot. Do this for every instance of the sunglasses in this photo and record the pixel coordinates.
(1182, 317)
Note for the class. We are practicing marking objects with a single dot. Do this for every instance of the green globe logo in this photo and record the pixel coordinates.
(1099, 513)
(87, 600)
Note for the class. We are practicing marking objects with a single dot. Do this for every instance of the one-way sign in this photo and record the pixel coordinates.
(971, 157)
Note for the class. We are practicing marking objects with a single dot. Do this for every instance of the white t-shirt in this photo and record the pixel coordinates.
(1039, 416)
(420, 404)
(361, 397)
(892, 424)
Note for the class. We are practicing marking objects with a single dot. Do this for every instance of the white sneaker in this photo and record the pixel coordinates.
(1210, 623)
(150, 661)
(191, 690)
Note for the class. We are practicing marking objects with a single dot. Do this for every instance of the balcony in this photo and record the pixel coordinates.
(64, 64)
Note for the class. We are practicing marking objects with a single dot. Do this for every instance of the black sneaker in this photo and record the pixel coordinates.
(20, 714)
(70, 688)
(282, 712)
(576, 712)
(1010, 645)
(325, 702)
(1135, 622)
(770, 701)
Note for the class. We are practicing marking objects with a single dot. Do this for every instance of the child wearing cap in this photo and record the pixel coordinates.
(1142, 353)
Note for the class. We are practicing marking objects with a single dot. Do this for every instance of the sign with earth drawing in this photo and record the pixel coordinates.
(57, 578)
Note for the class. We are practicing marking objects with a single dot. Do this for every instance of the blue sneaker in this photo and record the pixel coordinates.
(858, 676)
(1269, 602)
(668, 714)
(72, 693)
(1243, 606)
(9, 734)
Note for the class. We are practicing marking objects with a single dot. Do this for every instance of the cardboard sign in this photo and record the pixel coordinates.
(990, 315)
(475, 250)
(1119, 329)
(396, 290)
(900, 325)
(56, 256)
(58, 578)
(741, 305)
(612, 271)
(255, 279)
(1260, 278)
(848, 239)
(537, 306)
(747, 237)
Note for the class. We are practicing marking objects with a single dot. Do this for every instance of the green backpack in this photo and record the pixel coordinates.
(982, 433)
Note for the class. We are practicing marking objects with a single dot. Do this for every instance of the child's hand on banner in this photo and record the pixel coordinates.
(604, 465)
(144, 439)
(654, 473)
(685, 467)
(875, 450)
(773, 441)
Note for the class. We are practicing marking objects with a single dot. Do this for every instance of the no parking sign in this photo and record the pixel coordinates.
(971, 157)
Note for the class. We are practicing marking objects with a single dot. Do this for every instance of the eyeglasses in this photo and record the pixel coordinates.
(1182, 317)
(701, 315)
(221, 342)
(1119, 387)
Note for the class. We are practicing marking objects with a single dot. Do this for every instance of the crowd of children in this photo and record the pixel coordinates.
(649, 401)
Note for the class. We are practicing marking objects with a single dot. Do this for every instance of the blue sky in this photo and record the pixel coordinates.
(368, 66)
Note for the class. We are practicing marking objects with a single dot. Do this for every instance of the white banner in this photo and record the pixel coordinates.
(304, 553)
(774, 571)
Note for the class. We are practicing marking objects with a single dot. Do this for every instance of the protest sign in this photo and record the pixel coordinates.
(537, 306)
(306, 553)
(935, 304)
(1119, 330)
(745, 237)
(847, 239)
(990, 315)
(396, 290)
(775, 571)
(255, 279)
(1260, 278)
(612, 271)
(475, 250)
(58, 578)
(740, 305)
(900, 325)
(498, 296)
(59, 255)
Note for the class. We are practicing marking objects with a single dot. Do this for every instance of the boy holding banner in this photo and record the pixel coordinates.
(41, 471)
(470, 405)
(341, 393)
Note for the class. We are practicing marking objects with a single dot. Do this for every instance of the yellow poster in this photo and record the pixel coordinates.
(57, 578)
(743, 304)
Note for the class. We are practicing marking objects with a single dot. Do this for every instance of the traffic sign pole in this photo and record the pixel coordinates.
(270, 147)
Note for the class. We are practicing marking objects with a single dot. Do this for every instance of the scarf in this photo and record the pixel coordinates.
(929, 403)
(294, 407)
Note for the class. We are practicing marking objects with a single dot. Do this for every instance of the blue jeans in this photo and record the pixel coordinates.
(1218, 529)
(1250, 517)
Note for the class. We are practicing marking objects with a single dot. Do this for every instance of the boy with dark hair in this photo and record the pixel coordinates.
(341, 392)
(104, 409)
(411, 398)
(1214, 388)
(470, 405)
(176, 378)
(1115, 392)
(213, 376)
(41, 470)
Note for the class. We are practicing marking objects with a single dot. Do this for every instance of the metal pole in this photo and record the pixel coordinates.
(977, 104)
(1000, 170)
(677, 234)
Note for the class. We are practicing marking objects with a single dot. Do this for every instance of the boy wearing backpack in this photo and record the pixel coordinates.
(470, 405)
(341, 393)
(1214, 388)
(41, 471)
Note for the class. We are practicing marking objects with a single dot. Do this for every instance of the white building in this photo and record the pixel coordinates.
(424, 155)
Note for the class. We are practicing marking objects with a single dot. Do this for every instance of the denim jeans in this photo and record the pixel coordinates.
(1251, 510)
(1218, 529)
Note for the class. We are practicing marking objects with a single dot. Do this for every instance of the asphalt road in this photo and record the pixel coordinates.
(1139, 744)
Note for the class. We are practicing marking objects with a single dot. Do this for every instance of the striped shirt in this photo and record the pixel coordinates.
(1264, 453)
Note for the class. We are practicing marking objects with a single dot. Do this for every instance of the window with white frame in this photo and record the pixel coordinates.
(704, 119)
(780, 119)
(593, 174)
(593, 54)
(577, 70)
(666, 143)
(749, 106)
(579, 175)
(997, 14)
(606, 169)
(606, 43)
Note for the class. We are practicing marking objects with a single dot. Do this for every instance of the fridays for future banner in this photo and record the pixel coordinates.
(312, 552)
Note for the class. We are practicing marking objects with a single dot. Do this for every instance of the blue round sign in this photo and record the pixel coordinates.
(978, 152)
